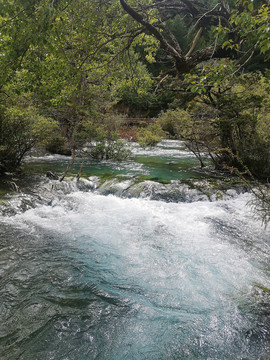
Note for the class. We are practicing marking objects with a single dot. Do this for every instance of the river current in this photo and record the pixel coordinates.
(111, 275)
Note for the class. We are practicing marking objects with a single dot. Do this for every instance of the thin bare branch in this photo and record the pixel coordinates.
(194, 42)
(160, 82)
(205, 14)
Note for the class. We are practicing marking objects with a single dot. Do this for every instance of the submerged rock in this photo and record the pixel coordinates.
(173, 191)
(115, 187)
(46, 190)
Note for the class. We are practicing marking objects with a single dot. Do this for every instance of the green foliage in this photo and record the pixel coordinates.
(99, 141)
(21, 128)
(57, 144)
(251, 25)
(178, 26)
(110, 150)
(211, 77)
(76, 59)
(261, 203)
(262, 22)
(175, 122)
(191, 127)
(151, 135)
(229, 120)
(73, 60)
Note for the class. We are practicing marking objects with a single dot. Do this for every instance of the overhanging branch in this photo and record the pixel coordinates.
(152, 29)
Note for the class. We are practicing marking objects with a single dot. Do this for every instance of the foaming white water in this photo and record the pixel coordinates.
(193, 247)
(47, 157)
(166, 148)
(178, 274)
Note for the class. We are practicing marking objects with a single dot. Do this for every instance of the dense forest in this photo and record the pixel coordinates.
(71, 71)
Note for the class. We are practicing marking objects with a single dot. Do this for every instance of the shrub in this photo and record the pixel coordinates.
(21, 128)
(99, 141)
(151, 135)
(231, 123)
(57, 144)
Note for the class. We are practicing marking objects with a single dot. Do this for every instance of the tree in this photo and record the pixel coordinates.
(234, 24)
(153, 18)
(70, 60)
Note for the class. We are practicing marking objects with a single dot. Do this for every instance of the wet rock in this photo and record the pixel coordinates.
(52, 176)
(115, 187)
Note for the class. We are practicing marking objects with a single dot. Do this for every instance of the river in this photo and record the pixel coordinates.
(121, 267)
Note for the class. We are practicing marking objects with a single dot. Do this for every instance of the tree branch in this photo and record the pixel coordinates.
(194, 42)
(152, 29)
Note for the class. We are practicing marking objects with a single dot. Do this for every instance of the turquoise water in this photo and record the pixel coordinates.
(87, 276)
(168, 161)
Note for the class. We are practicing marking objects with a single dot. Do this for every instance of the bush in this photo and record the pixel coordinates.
(99, 141)
(21, 128)
(195, 131)
(106, 150)
(57, 144)
(151, 135)
(231, 123)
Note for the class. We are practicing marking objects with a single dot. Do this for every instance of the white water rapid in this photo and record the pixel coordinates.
(163, 280)
(91, 277)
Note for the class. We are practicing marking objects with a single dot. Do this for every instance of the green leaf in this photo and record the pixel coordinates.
(250, 6)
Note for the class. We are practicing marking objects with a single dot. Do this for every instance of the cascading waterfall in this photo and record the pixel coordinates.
(88, 276)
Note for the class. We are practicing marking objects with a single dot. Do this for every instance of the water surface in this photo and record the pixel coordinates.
(88, 276)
